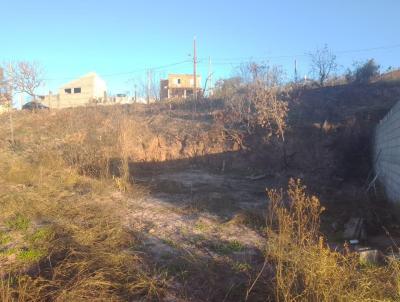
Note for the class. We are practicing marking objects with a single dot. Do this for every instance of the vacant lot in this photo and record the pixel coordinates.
(129, 203)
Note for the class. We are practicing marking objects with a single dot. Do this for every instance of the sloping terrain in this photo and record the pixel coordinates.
(74, 221)
(166, 203)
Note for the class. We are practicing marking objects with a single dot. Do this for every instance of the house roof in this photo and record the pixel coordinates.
(182, 75)
(88, 75)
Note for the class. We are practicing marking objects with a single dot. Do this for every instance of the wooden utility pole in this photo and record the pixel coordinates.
(135, 93)
(148, 87)
(209, 77)
(50, 99)
(194, 70)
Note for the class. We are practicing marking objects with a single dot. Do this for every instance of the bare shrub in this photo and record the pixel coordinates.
(270, 111)
(323, 64)
(255, 99)
(234, 93)
(4, 95)
(127, 141)
(24, 77)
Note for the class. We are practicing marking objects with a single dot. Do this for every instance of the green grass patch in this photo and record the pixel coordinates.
(4, 238)
(30, 255)
(40, 235)
(8, 252)
(170, 242)
(241, 267)
(228, 247)
(18, 223)
(201, 227)
(197, 238)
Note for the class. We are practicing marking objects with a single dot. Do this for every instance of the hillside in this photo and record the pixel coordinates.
(160, 202)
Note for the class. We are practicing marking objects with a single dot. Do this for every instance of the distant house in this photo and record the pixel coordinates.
(88, 89)
(179, 86)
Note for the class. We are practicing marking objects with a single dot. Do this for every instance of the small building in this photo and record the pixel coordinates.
(179, 86)
(88, 89)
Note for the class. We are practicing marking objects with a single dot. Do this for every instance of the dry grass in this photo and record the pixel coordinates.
(306, 269)
(62, 232)
(74, 245)
(63, 237)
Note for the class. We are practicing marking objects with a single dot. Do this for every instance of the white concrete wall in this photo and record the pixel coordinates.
(387, 153)
(91, 85)
(99, 87)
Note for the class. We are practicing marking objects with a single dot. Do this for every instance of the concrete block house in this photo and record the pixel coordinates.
(86, 90)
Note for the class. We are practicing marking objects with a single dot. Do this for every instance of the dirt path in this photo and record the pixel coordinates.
(194, 219)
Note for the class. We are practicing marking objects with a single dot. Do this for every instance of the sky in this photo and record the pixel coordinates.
(121, 39)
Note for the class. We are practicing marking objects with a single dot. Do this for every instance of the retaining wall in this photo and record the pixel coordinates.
(387, 153)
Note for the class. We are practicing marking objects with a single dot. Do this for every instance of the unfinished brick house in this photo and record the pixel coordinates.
(179, 86)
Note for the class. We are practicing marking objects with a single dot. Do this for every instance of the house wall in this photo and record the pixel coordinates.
(179, 86)
(72, 99)
(186, 81)
(164, 89)
(387, 153)
(91, 87)
(99, 88)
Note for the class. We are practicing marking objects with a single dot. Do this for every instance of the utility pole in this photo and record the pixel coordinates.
(194, 70)
(209, 77)
(295, 71)
(135, 93)
(50, 99)
(148, 87)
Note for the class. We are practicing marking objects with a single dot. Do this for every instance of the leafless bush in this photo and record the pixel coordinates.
(255, 98)
(24, 77)
(270, 110)
(4, 95)
(323, 64)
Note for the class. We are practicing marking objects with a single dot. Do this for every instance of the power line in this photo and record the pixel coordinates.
(231, 61)
(128, 72)
(370, 49)
(235, 60)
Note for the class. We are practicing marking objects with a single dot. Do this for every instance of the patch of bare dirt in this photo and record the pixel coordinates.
(188, 226)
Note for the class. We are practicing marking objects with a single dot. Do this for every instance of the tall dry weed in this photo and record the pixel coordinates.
(306, 268)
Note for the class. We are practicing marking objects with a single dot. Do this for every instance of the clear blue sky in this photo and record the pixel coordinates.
(71, 38)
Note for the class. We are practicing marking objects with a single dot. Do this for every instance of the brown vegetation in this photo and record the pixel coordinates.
(306, 268)
(94, 206)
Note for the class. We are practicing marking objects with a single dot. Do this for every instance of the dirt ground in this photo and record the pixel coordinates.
(195, 219)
